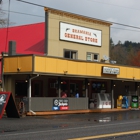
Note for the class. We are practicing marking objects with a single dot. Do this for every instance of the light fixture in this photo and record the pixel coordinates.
(63, 82)
(18, 69)
(65, 72)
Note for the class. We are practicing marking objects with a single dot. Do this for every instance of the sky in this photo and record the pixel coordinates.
(125, 12)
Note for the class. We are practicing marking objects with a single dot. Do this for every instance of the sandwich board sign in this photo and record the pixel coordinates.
(7, 104)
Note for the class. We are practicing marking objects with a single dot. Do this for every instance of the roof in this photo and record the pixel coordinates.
(29, 38)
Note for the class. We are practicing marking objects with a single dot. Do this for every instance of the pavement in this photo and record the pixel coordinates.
(63, 127)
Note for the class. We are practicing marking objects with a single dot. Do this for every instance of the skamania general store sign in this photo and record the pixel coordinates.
(73, 33)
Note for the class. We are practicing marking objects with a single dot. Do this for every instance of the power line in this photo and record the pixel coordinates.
(125, 29)
(130, 26)
(30, 3)
(23, 13)
(54, 18)
(113, 5)
(7, 25)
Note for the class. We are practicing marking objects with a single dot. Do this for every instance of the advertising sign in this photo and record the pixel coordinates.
(60, 104)
(7, 104)
(79, 34)
(109, 70)
(3, 102)
(134, 102)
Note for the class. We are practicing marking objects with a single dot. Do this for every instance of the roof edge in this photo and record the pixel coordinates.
(72, 15)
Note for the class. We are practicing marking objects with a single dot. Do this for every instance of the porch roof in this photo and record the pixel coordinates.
(44, 65)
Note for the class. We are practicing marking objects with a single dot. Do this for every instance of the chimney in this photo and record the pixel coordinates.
(12, 48)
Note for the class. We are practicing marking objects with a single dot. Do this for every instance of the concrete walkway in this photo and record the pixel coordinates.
(74, 112)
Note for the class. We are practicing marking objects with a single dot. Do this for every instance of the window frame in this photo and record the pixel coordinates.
(92, 56)
(71, 51)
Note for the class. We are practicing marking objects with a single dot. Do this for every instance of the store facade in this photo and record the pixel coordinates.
(76, 61)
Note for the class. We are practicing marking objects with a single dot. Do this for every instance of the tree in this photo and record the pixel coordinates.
(118, 54)
(136, 60)
(111, 42)
(3, 21)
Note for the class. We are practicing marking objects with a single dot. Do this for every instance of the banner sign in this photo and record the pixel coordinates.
(60, 104)
(7, 104)
(109, 70)
(79, 34)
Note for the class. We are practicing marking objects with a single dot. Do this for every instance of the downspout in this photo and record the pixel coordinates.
(29, 93)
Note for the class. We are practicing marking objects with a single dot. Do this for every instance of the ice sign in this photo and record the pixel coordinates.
(109, 70)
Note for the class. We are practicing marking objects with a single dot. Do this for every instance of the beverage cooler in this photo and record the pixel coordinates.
(100, 101)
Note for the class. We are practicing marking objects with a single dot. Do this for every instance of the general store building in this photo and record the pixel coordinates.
(75, 59)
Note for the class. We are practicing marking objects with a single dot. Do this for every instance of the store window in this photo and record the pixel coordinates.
(70, 54)
(92, 57)
(20, 88)
(37, 88)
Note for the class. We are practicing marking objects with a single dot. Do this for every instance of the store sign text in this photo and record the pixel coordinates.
(108, 70)
(73, 33)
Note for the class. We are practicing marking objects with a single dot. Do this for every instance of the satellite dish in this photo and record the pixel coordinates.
(105, 57)
(113, 62)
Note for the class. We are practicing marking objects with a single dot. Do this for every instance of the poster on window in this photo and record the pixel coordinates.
(60, 104)
(79, 34)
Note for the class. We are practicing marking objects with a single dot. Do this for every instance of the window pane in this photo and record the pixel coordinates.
(89, 57)
(67, 54)
(21, 89)
(70, 54)
(95, 56)
(73, 55)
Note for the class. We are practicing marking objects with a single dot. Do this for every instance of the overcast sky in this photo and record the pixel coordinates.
(118, 11)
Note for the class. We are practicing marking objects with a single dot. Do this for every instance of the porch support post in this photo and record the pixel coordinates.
(59, 87)
(29, 92)
(136, 88)
(86, 86)
(112, 94)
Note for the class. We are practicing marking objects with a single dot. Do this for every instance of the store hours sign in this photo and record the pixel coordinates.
(60, 104)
